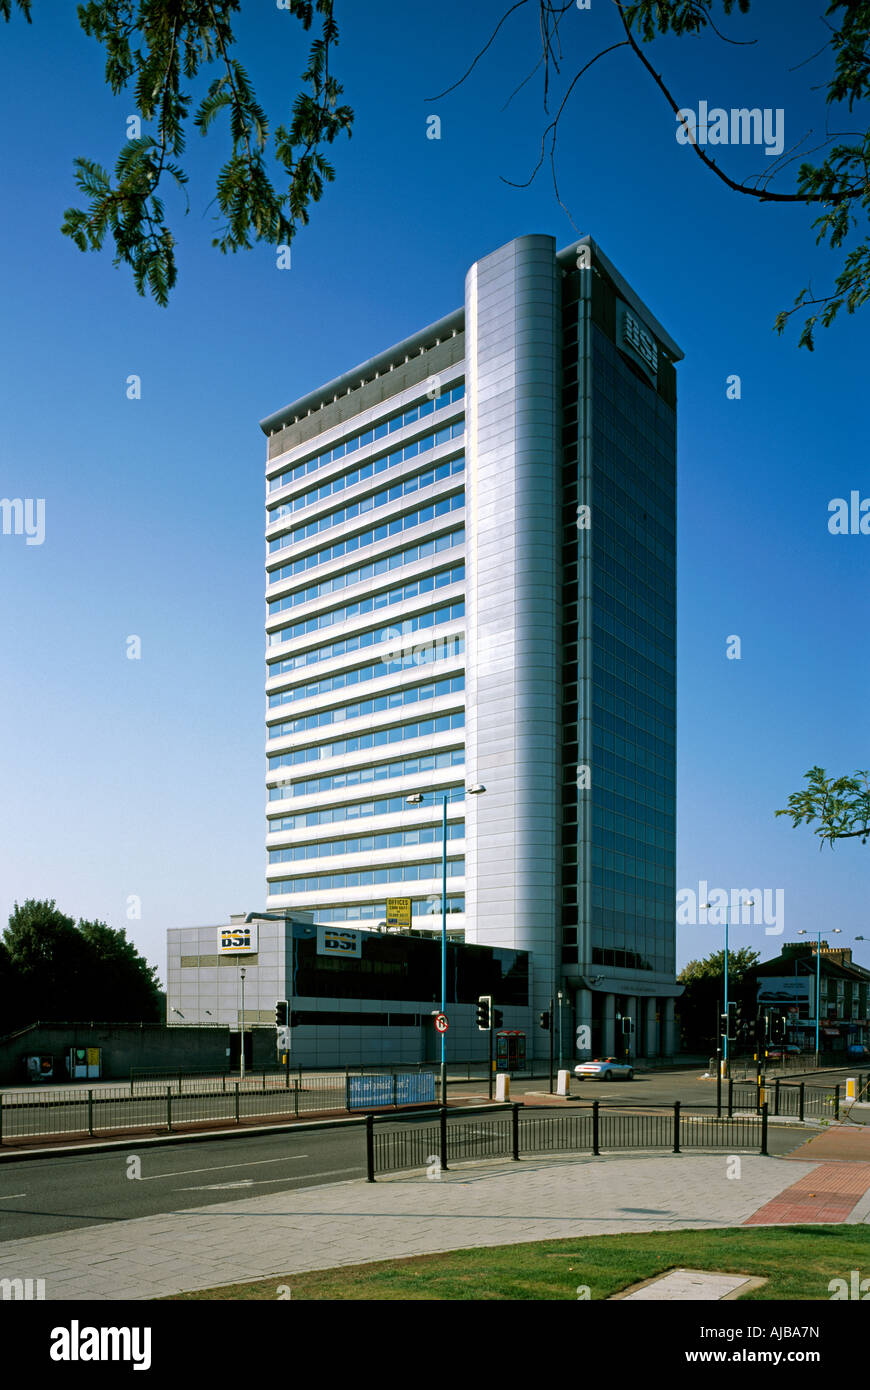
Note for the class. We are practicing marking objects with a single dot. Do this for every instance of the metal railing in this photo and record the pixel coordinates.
(591, 1131)
(787, 1099)
(743, 1068)
(101, 1110)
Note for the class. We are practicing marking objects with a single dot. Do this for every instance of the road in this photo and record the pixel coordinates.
(34, 1111)
(60, 1194)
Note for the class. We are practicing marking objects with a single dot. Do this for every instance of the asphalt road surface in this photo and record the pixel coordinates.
(64, 1193)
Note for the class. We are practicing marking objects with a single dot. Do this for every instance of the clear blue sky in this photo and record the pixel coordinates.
(145, 777)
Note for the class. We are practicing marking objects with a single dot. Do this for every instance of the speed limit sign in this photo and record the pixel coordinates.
(441, 1023)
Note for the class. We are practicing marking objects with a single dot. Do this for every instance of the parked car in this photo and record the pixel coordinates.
(605, 1069)
(858, 1050)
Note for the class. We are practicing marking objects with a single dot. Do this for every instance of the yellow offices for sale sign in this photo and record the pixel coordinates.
(398, 912)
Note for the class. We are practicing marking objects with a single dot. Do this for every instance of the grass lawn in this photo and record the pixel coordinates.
(797, 1261)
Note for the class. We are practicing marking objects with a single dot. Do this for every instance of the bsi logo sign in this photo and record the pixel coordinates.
(240, 940)
(333, 941)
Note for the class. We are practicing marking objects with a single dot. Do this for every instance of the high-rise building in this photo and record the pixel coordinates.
(471, 583)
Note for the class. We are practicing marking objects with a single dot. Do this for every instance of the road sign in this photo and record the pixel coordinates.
(441, 1023)
(399, 912)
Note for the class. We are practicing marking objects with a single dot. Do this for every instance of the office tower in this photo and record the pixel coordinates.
(471, 582)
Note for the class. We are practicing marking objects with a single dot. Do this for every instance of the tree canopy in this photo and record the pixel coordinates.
(841, 805)
(838, 186)
(53, 969)
(712, 967)
(158, 47)
(699, 1007)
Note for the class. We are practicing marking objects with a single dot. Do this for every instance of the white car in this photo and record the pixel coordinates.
(605, 1069)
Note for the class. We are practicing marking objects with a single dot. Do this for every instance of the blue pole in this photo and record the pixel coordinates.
(726, 990)
(726, 1036)
(444, 946)
(818, 990)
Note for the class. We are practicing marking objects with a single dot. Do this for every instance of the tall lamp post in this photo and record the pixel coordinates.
(746, 902)
(416, 799)
(835, 931)
(242, 1028)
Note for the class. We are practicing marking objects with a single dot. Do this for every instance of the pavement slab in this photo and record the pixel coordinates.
(490, 1203)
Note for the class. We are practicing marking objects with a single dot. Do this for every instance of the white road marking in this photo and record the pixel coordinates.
(262, 1182)
(10, 1196)
(252, 1163)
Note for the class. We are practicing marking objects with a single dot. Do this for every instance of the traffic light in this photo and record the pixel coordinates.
(627, 1025)
(544, 1020)
(729, 1022)
(484, 1013)
(777, 1028)
(497, 1018)
(281, 1009)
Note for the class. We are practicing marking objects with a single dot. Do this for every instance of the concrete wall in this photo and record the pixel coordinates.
(124, 1046)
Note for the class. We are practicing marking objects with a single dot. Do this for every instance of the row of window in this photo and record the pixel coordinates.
(367, 844)
(359, 441)
(359, 776)
(366, 878)
(422, 728)
(660, 650)
(376, 912)
(425, 585)
(443, 507)
(631, 609)
(364, 572)
(619, 832)
(632, 754)
(619, 810)
(358, 810)
(392, 633)
(446, 649)
(644, 719)
(416, 483)
(367, 470)
(376, 705)
(656, 684)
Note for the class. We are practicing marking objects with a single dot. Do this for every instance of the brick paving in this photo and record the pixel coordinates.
(839, 1142)
(828, 1194)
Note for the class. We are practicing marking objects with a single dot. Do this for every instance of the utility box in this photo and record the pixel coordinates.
(502, 1086)
(563, 1084)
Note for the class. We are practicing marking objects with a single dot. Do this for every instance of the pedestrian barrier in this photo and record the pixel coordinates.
(75, 1111)
(594, 1131)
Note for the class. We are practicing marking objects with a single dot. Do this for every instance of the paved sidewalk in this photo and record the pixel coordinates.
(355, 1222)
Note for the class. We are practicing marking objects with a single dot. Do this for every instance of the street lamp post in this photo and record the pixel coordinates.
(746, 902)
(416, 799)
(242, 1028)
(835, 931)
